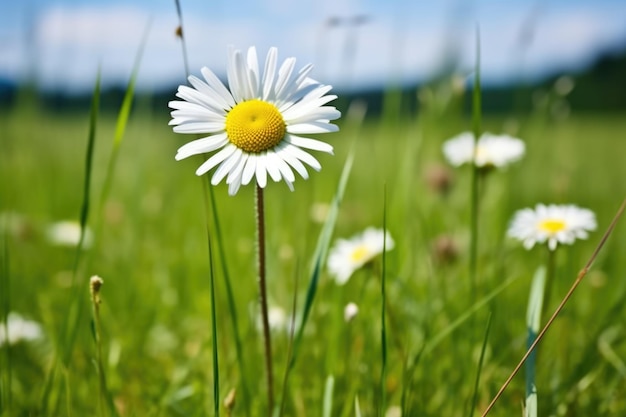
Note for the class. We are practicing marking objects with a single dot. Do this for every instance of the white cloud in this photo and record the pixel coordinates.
(72, 42)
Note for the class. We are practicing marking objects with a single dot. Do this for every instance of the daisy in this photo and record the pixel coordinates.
(349, 255)
(67, 233)
(255, 124)
(553, 223)
(491, 150)
(20, 329)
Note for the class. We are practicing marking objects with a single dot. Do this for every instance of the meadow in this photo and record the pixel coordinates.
(151, 249)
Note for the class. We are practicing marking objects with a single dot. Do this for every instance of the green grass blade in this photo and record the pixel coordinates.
(327, 405)
(439, 337)
(5, 307)
(216, 373)
(65, 344)
(383, 329)
(120, 129)
(357, 407)
(213, 219)
(321, 250)
(533, 324)
(474, 197)
(480, 366)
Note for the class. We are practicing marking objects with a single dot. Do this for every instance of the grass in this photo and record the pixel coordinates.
(156, 301)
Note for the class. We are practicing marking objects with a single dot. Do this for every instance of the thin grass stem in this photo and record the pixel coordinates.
(383, 329)
(267, 342)
(216, 373)
(474, 192)
(6, 381)
(481, 360)
(564, 301)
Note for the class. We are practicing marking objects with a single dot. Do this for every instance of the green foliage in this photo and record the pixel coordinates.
(156, 305)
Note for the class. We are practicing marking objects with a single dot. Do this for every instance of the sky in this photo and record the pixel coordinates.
(353, 44)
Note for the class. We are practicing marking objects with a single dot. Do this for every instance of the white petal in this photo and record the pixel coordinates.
(194, 96)
(217, 101)
(303, 156)
(253, 72)
(235, 173)
(199, 127)
(293, 161)
(261, 171)
(309, 143)
(217, 85)
(226, 167)
(272, 168)
(284, 76)
(312, 127)
(313, 115)
(216, 159)
(236, 73)
(249, 169)
(268, 73)
(285, 170)
(203, 145)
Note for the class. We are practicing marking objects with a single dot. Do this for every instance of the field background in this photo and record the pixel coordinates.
(151, 250)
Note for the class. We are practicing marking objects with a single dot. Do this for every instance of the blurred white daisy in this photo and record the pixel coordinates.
(277, 318)
(491, 150)
(350, 311)
(67, 233)
(553, 224)
(19, 329)
(256, 124)
(348, 255)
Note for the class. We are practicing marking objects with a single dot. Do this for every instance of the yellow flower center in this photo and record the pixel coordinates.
(359, 254)
(552, 225)
(255, 126)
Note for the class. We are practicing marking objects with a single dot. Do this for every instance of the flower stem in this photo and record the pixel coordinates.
(263, 297)
(551, 264)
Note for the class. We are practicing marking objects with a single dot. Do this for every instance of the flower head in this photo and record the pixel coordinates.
(67, 233)
(256, 123)
(490, 151)
(553, 223)
(349, 255)
(20, 329)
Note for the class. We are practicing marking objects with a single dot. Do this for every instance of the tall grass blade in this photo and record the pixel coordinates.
(480, 366)
(533, 324)
(321, 250)
(357, 407)
(120, 127)
(65, 345)
(216, 373)
(439, 337)
(474, 197)
(6, 372)
(383, 329)
(104, 393)
(327, 405)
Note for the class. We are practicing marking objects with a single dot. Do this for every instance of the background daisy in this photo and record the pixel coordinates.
(348, 255)
(553, 224)
(255, 125)
(491, 150)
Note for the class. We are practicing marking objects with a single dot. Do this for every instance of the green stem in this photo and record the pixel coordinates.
(551, 267)
(477, 131)
(263, 297)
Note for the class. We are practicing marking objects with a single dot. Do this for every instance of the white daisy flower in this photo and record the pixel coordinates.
(256, 125)
(553, 223)
(491, 150)
(350, 311)
(67, 233)
(20, 329)
(348, 255)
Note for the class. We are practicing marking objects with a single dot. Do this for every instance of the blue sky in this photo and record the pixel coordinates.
(62, 42)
